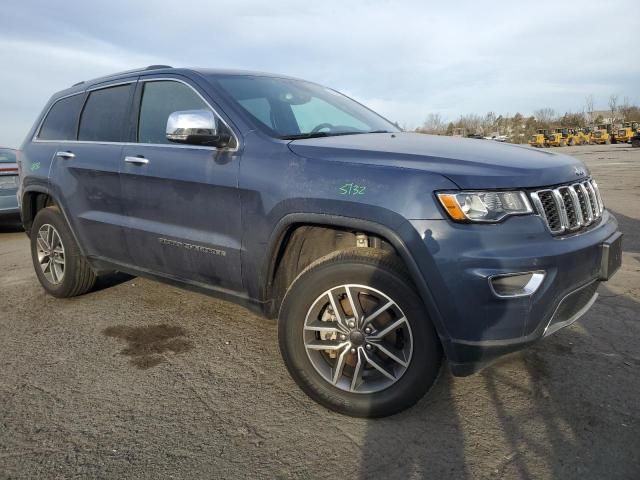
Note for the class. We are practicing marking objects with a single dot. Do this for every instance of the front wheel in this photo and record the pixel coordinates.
(355, 336)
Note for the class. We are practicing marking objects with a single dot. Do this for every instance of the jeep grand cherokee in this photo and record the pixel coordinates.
(380, 252)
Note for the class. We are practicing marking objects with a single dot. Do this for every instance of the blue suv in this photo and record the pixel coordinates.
(380, 252)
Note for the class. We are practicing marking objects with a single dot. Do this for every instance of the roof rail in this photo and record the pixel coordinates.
(157, 67)
(79, 83)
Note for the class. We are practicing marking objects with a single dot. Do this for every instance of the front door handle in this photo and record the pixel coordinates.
(136, 160)
(66, 155)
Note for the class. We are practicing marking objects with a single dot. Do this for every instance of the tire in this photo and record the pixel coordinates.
(373, 278)
(75, 276)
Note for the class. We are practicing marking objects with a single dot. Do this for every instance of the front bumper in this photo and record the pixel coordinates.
(476, 326)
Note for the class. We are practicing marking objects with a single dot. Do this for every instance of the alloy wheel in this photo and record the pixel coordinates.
(358, 339)
(51, 254)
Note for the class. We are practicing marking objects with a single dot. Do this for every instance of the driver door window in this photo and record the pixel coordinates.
(159, 100)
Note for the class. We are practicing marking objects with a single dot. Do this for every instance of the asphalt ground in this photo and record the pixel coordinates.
(143, 380)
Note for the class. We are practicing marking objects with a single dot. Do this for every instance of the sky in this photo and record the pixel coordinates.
(405, 59)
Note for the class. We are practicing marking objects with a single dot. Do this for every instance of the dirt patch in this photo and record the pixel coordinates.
(147, 345)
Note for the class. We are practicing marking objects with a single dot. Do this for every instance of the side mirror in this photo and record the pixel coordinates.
(195, 127)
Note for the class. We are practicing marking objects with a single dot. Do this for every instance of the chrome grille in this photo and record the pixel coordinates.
(569, 208)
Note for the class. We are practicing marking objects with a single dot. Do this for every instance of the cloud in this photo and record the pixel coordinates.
(405, 59)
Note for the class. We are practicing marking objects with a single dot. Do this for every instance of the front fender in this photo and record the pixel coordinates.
(401, 234)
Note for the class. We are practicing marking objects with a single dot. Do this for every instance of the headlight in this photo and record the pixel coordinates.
(484, 206)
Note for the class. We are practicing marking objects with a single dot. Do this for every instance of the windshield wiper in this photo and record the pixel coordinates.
(305, 135)
(328, 134)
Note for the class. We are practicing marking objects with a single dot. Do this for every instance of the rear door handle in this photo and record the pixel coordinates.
(67, 155)
(136, 160)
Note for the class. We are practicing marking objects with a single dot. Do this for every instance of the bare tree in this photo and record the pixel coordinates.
(588, 108)
(489, 123)
(472, 123)
(545, 115)
(625, 109)
(433, 124)
(613, 106)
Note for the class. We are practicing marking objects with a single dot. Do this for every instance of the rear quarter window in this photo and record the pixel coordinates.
(62, 119)
(105, 115)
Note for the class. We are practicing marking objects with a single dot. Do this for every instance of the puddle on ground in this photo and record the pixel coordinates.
(147, 345)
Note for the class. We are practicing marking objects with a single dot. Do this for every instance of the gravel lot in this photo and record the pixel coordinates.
(143, 380)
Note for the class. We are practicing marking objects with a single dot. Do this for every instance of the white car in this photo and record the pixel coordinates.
(497, 138)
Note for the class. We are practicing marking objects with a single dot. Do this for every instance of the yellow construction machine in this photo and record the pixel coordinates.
(561, 137)
(583, 136)
(602, 135)
(539, 139)
(627, 131)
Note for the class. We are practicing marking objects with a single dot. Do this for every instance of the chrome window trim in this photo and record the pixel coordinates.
(80, 142)
(35, 138)
(109, 85)
(171, 79)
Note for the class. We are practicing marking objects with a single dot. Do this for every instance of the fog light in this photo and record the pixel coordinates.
(512, 285)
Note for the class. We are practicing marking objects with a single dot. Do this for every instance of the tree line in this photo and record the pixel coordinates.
(519, 128)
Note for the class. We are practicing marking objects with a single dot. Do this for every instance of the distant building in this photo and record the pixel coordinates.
(604, 114)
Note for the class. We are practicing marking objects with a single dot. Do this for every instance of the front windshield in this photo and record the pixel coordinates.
(289, 109)
(7, 155)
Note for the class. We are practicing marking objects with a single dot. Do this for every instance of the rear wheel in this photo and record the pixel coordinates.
(355, 336)
(61, 269)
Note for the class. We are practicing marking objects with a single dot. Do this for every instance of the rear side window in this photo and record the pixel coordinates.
(106, 114)
(159, 100)
(62, 119)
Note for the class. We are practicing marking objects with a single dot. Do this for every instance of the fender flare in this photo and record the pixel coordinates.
(33, 188)
(274, 248)
(37, 188)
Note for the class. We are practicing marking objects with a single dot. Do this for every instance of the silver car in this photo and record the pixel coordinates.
(8, 183)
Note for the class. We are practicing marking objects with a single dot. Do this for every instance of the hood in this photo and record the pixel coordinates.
(470, 163)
